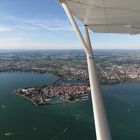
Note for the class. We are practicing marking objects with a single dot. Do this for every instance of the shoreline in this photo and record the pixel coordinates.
(73, 80)
(55, 93)
(38, 100)
(26, 98)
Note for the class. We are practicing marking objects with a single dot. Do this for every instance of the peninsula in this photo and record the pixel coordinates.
(55, 94)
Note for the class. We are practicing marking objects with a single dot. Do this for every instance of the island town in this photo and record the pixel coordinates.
(55, 94)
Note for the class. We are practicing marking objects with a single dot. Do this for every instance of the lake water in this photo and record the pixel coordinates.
(21, 120)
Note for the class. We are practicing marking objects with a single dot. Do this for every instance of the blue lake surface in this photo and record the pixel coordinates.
(21, 120)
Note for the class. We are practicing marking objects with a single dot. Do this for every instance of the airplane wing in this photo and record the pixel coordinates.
(108, 16)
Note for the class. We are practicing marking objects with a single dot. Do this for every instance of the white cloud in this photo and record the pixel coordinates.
(5, 29)
(117, 45)
(53, 24)
(19, 43)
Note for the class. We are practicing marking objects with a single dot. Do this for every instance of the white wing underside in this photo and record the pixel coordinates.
(108, 16)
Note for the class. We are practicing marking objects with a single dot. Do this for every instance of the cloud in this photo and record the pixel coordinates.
(20, 43)
(52, 24)
(117, 45)
(5, 29)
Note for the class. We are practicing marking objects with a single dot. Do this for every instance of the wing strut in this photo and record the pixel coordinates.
(100, 119)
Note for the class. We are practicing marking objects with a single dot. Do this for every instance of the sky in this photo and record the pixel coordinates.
(43, 24)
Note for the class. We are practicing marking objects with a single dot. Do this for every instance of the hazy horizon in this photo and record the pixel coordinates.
(76, 49)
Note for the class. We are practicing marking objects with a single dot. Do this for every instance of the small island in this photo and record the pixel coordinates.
(55, 94)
